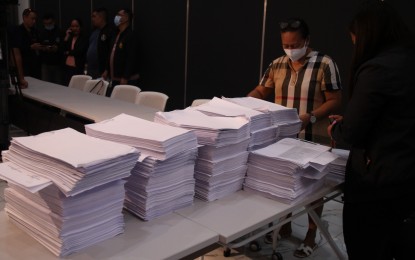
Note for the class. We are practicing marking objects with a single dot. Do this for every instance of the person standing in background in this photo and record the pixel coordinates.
(379, 125)
(122, 66)
(310, 82)
(51, 40)
(99, 43)
(75, 46)
(25, 48)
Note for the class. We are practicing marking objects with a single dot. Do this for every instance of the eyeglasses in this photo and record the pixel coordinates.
(294, 24)
(27, 11)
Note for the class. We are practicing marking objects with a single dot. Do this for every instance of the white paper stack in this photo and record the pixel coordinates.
(337, 168)
(152, 139)
(163, 180)
(262, 132)
(63, 224)
(286, 118)
(73, 161)
(210, 130)
(221, 163)
(287, 170)
(66, 188)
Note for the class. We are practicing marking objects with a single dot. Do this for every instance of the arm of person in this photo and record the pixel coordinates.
(260, 92)
(19, 67)
(332, 105)
(366, 107)
(130, 43)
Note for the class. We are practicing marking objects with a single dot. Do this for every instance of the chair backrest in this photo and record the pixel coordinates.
(200, 101)
(153, 99)
(125, 92)
(96, 86)
(78, 81)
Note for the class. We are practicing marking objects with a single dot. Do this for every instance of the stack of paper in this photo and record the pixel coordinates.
(66, 188)
(287, 170)
(262, 132)
(153, 139)
(337, 168)
(286, 118)
(73, 161)
(221, 162)
(163, 179)
(210, 130)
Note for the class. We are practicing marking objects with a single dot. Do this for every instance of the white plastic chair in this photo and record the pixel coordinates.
(78, 81)
(96, 86)
(125, 92)
(152, 99)
(200, 101)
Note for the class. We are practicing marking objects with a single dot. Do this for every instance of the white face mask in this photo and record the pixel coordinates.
(296, 54)
(117, 20)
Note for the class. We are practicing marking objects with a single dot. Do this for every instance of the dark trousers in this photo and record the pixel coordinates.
(68, 72)
(379, 230)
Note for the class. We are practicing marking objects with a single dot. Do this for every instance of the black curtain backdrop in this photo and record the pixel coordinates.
(222, 54)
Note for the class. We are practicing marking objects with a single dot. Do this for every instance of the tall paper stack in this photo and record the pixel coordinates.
(66, 188)
(285, 118)
(221, 163)
(163, 179)
(287, 170)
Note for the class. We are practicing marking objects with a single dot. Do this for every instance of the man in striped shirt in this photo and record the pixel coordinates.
(310, 82)
(303, 79)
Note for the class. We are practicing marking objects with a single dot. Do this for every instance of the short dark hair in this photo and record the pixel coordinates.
(377, 26)
(48, 16)
(79, 22)
(129, 13)
(27, 11)
(295, 24)
(102, 11)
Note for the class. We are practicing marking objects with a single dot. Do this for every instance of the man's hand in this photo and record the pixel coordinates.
(23, 84)
(305, 120)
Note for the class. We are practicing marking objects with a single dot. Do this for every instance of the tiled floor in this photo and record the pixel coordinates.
(332, 215)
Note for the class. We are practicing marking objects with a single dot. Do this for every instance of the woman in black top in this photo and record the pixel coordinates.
(379, 125)
(75, 47)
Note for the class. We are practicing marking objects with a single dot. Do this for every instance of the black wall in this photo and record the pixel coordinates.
(205, 48)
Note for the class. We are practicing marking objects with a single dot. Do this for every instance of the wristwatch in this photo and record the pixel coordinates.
(313, 118)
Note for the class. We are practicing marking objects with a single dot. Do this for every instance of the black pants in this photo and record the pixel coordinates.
(380, 230)
(68, 72)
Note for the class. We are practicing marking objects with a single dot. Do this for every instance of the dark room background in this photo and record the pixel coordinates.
(204, 48)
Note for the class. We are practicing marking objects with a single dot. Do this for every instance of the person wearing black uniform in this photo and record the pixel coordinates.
(25, 48)
(99, 44)
(51, 39)
(122, 66)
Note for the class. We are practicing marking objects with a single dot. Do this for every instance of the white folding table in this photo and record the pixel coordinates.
(84, 104)
(169, 237)
(242, 214)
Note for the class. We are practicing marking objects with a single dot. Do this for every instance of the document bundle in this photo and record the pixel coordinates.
(163, 179)
(286, 119)
(66, 189)
(337, 168)
(288, 170)
(221, 162)
(262, 131)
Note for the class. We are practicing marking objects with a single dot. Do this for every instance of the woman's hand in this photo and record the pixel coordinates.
(334, 119)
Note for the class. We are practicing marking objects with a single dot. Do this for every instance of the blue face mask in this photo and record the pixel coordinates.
(117, 20)
(50, 27)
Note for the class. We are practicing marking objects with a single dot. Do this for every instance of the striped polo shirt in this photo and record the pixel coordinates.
(304, 89)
